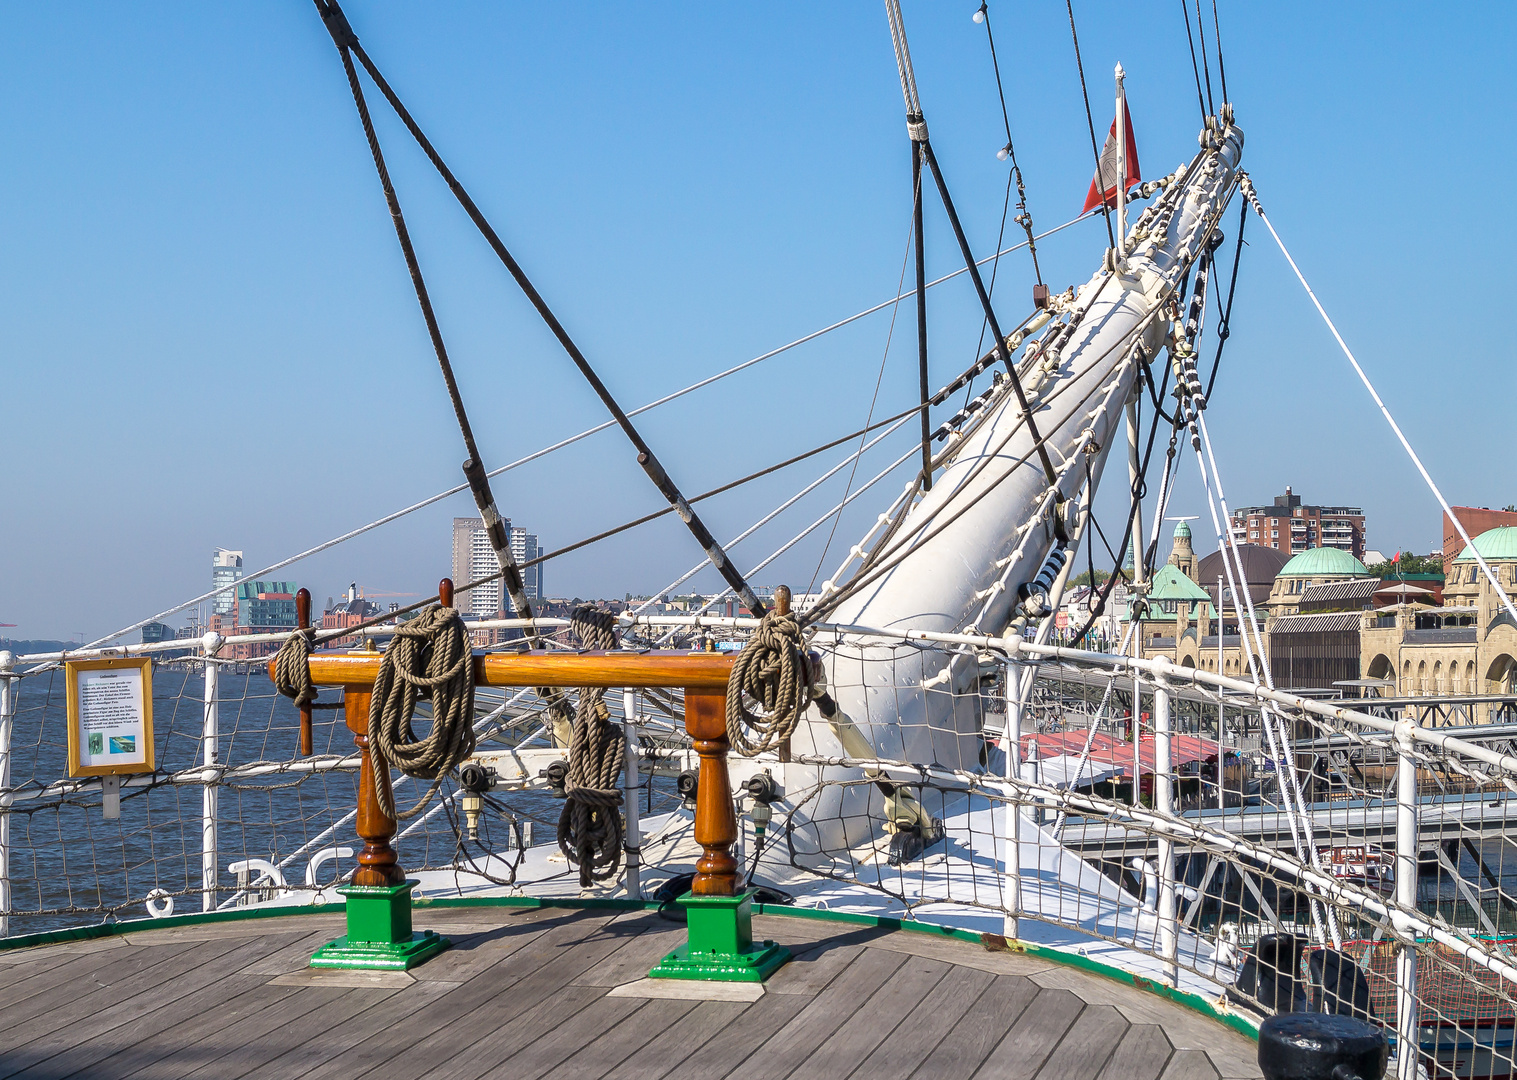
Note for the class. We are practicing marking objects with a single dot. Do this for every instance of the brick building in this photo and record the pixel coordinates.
(1476, 520)
(1291, 527)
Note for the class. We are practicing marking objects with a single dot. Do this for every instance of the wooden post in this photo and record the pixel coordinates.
(303, 622)
(378, 864)
(715, 821)
(719, 944)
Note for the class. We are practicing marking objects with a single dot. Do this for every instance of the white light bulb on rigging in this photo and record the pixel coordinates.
(979, 16)
(1003, 153)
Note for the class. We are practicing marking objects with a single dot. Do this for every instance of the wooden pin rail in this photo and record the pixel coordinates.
(702, 675)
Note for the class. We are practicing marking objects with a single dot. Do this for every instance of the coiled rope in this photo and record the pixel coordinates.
(292, 673)
(430, 657)
(768, 671)
(590, 826)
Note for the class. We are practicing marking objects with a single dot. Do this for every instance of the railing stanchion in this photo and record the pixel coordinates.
(1011, 740)
(719, 945)
(210, 757)
(1164, 806)
(633, 844)
(8, 695)
(1407, 1042)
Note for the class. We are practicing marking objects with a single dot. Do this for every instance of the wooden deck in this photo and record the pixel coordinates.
(539, 992)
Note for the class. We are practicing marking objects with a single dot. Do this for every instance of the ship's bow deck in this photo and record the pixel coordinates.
(529, 992)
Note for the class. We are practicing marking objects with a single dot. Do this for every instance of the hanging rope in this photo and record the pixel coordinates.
(292, 673)
(768, 671)
(430, 657)
(590, 827)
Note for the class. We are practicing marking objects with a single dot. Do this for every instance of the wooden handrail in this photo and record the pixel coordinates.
(691, 670)
(703, 676)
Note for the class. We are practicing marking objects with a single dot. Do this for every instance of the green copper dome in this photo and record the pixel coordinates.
(1325, 562)
(1493, 544)
(1182, 529)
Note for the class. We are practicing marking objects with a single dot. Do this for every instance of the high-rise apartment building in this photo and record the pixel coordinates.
(226, 569)
(473, 558)
(1291, 527)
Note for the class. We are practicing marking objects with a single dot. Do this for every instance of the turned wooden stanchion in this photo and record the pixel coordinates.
(719, 914)
(303, 622)
(379, 896)
(716, 872)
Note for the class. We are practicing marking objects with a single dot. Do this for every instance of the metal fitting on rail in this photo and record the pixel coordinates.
(475, 779)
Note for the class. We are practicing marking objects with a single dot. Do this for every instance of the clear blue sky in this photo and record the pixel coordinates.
(209, 338)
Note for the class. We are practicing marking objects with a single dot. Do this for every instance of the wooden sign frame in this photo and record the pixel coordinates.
(143, 763)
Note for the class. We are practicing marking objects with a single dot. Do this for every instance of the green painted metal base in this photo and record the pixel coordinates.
(379, 934)
(721, 946)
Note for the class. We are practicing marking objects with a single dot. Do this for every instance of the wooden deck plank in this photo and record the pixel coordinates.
(301, 1019)
(224, 1052)
(899, 1054)
(497, 1002)
(738, 1044)
(683, 1038)
(1190, 1065)
(222, 1002)
(962, 1051)
(1235, 1056)
(296, 1061)
(525, 995)
(605, 1029)
(824, 1014)
(1033, 1037)
(291, 956)
(885, 1013)
(496, 1035)
(1141, 1055)
(605, 1051)
(74, 969)
(634, 959)
(1086, 1048)
(111, 995)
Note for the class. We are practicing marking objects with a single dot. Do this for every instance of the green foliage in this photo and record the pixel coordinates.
(1101, 577)
(1408, 564)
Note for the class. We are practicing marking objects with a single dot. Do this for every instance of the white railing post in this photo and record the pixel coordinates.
(1164, 806)
(8, 697)
(633, 842)
(209, 777)
(1407, 1042)
(1011, 740)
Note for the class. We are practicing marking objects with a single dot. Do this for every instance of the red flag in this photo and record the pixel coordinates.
(1106, 175)
(1396, 557)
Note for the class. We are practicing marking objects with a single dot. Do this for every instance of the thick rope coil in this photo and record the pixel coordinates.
(768, 670)
(430, 657)
(590, 826)
(292, 673)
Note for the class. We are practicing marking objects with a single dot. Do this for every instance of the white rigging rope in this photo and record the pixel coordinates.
(1253, 200)
(701, 384)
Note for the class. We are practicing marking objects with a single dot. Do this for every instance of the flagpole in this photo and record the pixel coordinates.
(1121, 166)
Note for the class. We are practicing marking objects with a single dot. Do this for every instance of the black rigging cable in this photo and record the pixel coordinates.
(1217, 35)
(347, 42)
(1094, 149)
(1023, 217)
(1224, 326)
(1194, 67)
(1205, 65)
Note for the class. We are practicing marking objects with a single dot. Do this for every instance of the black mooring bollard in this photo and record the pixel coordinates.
(1321, 1046)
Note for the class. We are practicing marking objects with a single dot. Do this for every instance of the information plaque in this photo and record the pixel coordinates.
(110, 716)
